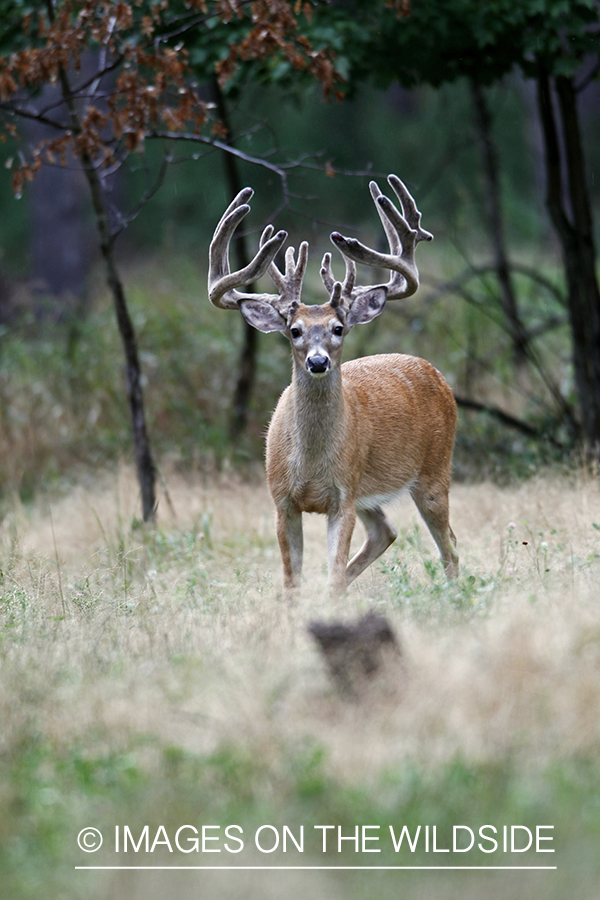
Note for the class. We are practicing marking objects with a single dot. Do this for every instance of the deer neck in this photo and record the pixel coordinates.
(318, 407)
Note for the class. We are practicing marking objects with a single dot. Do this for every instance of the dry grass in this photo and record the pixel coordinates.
(523, 677)
(179, 638)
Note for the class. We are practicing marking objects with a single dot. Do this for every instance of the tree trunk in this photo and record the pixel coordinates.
(240, 406)
(246, 370)
(146, 471)
(575, 233)
(496, 225)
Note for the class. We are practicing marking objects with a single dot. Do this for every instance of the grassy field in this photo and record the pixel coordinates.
(156, 678)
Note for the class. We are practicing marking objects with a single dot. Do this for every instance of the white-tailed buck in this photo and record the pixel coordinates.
(345, 439)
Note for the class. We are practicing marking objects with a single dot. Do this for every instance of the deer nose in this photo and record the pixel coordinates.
(316, 365)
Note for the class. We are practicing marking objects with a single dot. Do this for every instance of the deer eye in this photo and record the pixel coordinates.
(295, 333)
(338, 330)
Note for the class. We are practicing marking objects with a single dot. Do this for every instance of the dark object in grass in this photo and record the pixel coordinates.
(356, 653)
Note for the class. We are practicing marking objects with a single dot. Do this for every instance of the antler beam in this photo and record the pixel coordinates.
(222, 282)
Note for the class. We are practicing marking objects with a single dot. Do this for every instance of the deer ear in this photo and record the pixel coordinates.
(367, 306)
(262, 315)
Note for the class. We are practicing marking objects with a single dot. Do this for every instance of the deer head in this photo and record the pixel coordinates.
(317, 332)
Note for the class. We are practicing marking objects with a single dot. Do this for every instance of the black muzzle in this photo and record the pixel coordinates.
(316, 365)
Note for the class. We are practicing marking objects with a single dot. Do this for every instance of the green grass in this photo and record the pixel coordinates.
(53, 795)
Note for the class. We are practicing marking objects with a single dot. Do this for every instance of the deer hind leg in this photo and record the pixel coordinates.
(432, 503)
(380, 534)
(291, 545)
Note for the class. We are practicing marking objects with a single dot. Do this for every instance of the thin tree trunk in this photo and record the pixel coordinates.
(246, 370)
(575, 233)
(496, 224)
(582, 264)
(146, 471)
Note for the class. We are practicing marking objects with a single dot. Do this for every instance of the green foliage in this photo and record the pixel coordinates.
(442, 40)
(428, 593)
(12, 35)
(189, 358)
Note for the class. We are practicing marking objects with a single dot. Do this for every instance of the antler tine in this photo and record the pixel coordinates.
(349, 278)
(327, 273)
(240, 199)
(337, 295)
(222, 283)
(409, 208)
(329, 280)
(274, 274)
(391, 233)
(403, 232)
(290, 283)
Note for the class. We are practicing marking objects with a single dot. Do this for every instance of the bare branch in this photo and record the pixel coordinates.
(24, 113)
(507, 419)
(456, 284)
(188, 137)
(535, 275)
(189, 26)
(546, 326)
(77, 91)
(125, 219)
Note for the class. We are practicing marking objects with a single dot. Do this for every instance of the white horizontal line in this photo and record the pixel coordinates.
(328, 868)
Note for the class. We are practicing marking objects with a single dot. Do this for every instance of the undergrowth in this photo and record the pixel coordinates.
(63, 408)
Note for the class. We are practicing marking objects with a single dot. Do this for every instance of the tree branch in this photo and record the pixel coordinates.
(187, 137)
(35, 116)
(76, 92)
(189, 26)
(144, 462)
(125, 219)
(508, 299)
(455, 286)
(506, 419)
(531, 354)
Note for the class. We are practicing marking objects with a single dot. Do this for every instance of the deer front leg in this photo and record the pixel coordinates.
(340, 526)
(291, 545)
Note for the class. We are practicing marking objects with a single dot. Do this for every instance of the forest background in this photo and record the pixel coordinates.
(509, 304)
(119, 126)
